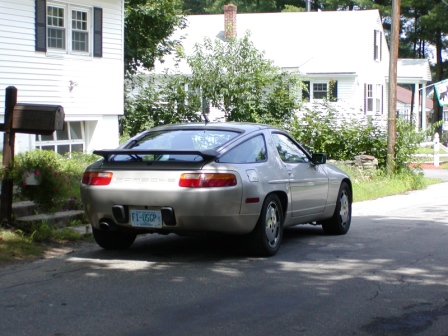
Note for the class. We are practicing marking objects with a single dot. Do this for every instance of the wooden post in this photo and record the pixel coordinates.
(8, 155)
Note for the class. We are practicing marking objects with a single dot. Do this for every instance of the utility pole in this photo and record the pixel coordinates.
(392, 106)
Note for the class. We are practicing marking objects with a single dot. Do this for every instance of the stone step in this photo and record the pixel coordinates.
(58, 219)
(24, 208)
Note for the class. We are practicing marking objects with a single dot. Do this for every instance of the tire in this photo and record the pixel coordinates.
(267, 235)
(339, 224)
(113, 240)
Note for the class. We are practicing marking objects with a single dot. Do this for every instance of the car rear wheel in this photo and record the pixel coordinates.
(267, 235)
(113, 240)
(339, 224)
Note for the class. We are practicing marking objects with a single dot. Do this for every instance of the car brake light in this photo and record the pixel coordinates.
(95, 178)
(207, 180)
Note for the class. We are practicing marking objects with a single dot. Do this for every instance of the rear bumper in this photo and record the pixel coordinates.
(204, 210)
(234, 224)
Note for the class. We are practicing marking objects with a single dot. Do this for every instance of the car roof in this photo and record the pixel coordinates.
(230, 126)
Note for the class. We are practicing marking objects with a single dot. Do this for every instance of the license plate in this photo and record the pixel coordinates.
(146, 218)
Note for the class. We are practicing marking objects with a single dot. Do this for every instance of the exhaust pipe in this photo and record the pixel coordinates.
(104, 226)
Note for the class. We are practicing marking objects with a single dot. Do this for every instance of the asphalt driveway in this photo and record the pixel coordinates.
(387, 276)
(437, 173)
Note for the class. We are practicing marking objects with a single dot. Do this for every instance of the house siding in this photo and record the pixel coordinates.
(45, 77)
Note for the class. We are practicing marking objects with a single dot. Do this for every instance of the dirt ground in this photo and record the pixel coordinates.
(431, 165)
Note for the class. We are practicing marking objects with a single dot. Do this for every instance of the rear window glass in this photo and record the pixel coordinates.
(250, 151)
(178, 140)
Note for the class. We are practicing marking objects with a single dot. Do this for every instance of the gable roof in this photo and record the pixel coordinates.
(323, 42)
(409, 70)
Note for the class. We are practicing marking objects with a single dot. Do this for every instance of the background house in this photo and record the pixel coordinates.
(409, 108)
(415, 74)
(320, 47)
(342, 53)
(68, 53)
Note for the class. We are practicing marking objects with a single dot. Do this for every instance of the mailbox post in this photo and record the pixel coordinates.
(8, 155)
(23, 118)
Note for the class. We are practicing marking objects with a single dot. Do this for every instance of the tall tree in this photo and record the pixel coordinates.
(192, 7)
(244, 6)
(148, 25)
(425, 30)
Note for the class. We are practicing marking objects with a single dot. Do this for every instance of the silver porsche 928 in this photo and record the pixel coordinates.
(234, 178)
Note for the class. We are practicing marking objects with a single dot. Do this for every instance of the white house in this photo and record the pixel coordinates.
(342, 52)
(414, 72)
(69, 53)
(344, 47)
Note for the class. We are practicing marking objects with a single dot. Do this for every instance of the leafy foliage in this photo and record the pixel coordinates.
(321, 129)
(236, 78)
(148, 25)
(259, 6)
(58, 178)
(232, 76)
(161, 99)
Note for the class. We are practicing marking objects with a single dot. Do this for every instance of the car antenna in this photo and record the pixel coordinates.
(203, 102)
(205, 118)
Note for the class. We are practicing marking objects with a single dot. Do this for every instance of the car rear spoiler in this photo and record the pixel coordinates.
(207, 155)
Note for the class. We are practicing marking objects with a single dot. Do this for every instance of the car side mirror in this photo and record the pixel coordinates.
(318, 158)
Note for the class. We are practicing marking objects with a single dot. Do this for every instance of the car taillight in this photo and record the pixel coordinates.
(207, 180)
(95, 178)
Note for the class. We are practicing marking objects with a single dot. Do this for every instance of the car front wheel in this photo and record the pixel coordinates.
(342, 217)
(267, 235)
(113, 240)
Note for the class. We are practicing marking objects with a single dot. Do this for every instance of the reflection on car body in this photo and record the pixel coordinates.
(235, 178)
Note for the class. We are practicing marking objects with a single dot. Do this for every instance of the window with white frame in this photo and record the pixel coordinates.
(56, 27)
(71, 139)
(373, 99)
(320, 90)
(68, 28)
(377, 44)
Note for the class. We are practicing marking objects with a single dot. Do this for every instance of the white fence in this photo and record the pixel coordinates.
(438, 148)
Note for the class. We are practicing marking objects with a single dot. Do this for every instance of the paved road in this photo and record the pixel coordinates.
(437, 173)
(387, 276)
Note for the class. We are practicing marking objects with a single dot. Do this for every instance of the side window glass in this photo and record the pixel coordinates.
(287, 150)
(250, 151)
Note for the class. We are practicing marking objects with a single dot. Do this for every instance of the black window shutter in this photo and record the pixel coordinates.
(306, 91)
(375, 56)
(40, 25)
(334, 91)
(382, 99)
(365, 96)
(381, 46)
(97, 32)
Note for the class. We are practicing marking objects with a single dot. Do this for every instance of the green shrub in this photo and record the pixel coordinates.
(323, 129)
(58, 177)
(41, 232)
